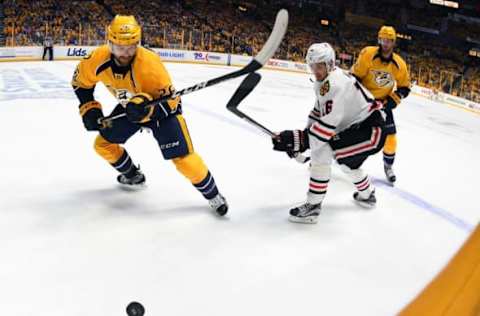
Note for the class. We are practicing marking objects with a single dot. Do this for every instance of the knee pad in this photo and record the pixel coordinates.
(390, 146)
(192, 167)
(108, 151)
(346, 169)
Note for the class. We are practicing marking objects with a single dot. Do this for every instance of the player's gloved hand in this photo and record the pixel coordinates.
(290, 153)
(291, 142)
(392, 101)
(139, 111)
(298, 157)
(91, 112)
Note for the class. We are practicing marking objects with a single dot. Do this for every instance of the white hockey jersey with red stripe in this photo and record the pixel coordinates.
(341, 102)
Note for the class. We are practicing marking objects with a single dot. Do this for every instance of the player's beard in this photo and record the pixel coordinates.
(123, 60)
(387, 53)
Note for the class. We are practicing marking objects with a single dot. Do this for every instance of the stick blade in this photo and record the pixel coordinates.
(275, 38)
(247, 85)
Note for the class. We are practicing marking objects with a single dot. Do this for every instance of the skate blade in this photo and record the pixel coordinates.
(390, 183)
(132, 187)
(365, 205)
(303, 220)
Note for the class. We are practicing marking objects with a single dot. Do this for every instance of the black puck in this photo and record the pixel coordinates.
(135, 309)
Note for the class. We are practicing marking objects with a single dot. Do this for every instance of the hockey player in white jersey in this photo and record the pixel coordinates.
(345, 125)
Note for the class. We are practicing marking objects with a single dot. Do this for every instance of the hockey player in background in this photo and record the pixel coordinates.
(346, 124)
(385, 74)
(135, 75)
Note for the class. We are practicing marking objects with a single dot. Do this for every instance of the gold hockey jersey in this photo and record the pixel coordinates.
(146, 74)
(378, 75)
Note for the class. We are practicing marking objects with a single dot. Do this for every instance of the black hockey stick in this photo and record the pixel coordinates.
(247, 86)
(267, 51)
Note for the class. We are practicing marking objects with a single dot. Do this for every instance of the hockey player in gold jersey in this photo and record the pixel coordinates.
(385, 74)
(136, 75)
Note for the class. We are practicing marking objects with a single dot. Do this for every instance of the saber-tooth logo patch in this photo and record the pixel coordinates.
(383, 78)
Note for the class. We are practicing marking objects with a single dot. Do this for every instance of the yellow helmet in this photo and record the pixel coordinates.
(387, 32)
(124, 30)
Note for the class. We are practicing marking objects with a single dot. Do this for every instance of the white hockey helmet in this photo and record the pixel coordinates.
(321, 53)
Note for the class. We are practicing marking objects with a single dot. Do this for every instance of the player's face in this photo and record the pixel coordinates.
(387, 45)
(123, 53)
(319, 70)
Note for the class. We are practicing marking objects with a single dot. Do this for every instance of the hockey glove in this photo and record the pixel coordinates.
(291, 142)
(394, 98)
(139, 111)
(91, 112)
(391, 101)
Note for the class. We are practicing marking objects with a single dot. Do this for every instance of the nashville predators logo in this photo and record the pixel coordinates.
(383, 78)
(122, 96)
(325, 88)
(125, 28)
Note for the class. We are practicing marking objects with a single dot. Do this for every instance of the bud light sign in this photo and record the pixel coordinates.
(171, 55)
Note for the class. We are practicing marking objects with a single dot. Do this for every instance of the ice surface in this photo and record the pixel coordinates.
(72, 243)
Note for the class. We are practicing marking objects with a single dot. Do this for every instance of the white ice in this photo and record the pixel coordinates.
(72, 243)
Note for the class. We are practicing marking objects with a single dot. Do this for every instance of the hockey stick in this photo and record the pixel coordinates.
(247, 86)
(267, 51)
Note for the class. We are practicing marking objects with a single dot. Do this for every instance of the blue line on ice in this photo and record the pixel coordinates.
(421, 203)
(407, 196)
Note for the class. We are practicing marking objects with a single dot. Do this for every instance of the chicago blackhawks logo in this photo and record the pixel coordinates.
(325, 88)
(383, 78)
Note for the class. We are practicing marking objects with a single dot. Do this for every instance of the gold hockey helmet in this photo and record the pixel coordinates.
(124, 30)
(387, 32)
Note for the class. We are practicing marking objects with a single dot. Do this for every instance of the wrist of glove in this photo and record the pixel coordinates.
(139, 110)
(291, 141)
(392, 101)
(91, 112)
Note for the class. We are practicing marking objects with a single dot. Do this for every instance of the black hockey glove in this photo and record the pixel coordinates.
(396, 97)
(91, 112)
(138, 110)
(391, 102)
(291, 142)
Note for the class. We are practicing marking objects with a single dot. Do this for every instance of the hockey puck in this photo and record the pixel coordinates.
(135, 309)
